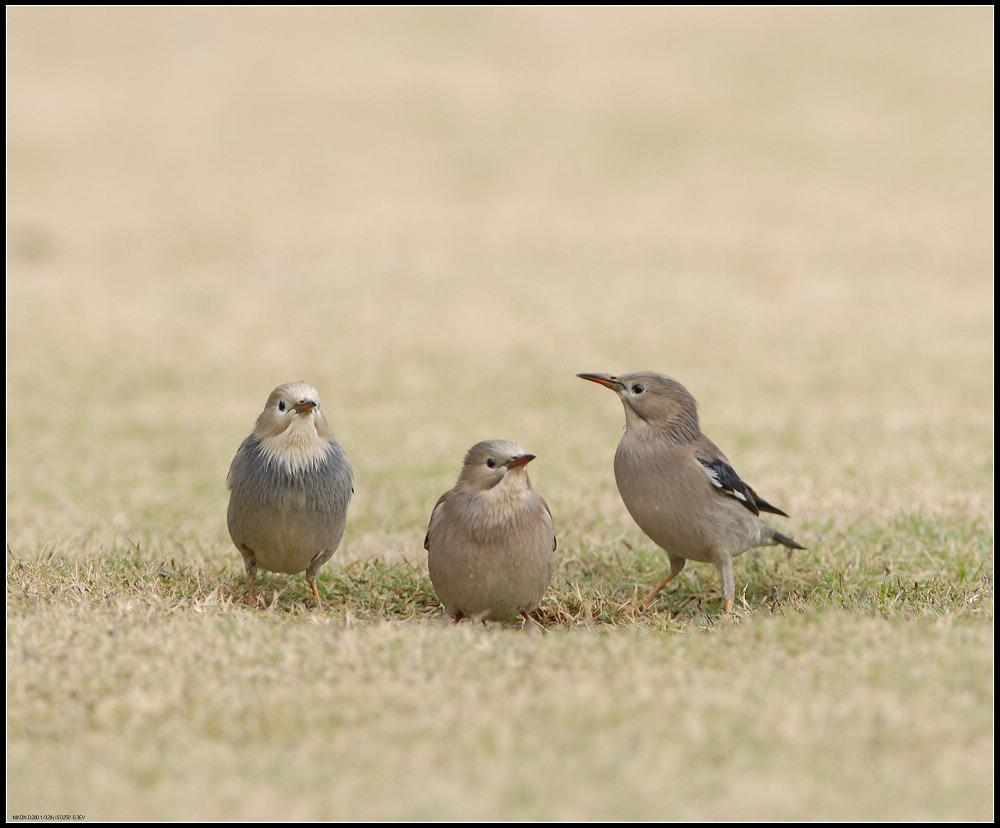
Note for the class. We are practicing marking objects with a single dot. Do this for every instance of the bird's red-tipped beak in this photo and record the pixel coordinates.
(304, 405)
(521, 460)
(607, 380)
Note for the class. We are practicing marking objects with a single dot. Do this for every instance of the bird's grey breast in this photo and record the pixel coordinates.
(258, 477)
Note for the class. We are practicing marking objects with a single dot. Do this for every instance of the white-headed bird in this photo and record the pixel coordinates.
(290, 484)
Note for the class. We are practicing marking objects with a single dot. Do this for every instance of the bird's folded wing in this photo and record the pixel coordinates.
(726, 480)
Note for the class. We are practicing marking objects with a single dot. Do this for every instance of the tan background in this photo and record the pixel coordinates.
(438, 216)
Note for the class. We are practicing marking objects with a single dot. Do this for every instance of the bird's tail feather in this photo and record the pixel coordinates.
(787, 541)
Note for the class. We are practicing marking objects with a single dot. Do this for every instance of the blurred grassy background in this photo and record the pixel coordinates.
(438, 216)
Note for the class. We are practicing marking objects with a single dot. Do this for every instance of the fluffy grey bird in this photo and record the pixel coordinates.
(677, 485)
(490, 540)
(290, 484)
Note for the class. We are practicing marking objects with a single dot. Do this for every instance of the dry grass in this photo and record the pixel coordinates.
(438, 217)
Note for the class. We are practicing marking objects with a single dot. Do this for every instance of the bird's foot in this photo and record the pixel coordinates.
(633, 608)
(319, 604)
(530, 622)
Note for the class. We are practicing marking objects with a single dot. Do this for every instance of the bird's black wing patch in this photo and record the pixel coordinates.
(764, 506)
(726, 480)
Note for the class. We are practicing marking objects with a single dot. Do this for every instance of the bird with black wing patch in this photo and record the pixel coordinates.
(678, 486)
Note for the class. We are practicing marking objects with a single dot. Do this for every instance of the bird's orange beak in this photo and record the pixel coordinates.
(607, 380)
(304, 405)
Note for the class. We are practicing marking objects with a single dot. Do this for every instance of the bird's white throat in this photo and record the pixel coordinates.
(297, 447)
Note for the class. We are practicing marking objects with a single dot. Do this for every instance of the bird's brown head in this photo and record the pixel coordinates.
(491, 462)
(654, 401)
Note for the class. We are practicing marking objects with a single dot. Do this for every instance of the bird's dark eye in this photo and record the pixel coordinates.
(281, 405)
(491, 463)
(638, 389)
